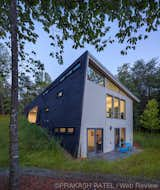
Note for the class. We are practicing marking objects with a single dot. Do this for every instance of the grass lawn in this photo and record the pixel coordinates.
(36, 150)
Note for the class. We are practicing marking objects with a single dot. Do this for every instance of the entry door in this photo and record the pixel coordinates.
(117, 137)
(91, 140)
(99, 140)
(123, 134)
(95, 140)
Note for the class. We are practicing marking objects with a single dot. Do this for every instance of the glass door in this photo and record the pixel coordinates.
(123, 134)
(95, 140)
(117, 137)
(99, 140)
(91, 140)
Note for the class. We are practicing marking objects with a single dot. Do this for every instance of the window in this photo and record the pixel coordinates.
(77, 66)
(64, 130)
(116, 108)
(112, 86)
(60, 94)
(70, 130)
(122, 109)
(123, 134)
(95, 76)
(46, 109)
(32, 115)
(109, 102)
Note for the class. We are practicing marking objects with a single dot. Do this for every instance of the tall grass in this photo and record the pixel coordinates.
(38, 150)
(148, 140)
(34, 143)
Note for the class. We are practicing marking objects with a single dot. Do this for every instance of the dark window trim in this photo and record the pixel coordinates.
(67, 74)
(71, 71)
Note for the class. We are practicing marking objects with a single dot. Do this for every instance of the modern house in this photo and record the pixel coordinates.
(86, 107)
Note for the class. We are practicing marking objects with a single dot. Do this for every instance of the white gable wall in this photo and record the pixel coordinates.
(94, 116)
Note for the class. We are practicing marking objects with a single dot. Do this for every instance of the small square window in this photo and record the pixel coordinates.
(70, 130)
(46, 109)
(62, 130)
(60, 94)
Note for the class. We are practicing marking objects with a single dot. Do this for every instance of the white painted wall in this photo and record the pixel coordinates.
(94, 116)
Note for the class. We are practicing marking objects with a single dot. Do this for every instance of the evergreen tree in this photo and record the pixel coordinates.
(150, 117)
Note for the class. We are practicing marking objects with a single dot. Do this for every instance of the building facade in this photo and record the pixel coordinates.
(86, 107)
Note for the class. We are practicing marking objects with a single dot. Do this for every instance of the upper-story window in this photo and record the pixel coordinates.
(109, 103)
(122, 109)
(110, 85)
(115, 107)
(95, 76)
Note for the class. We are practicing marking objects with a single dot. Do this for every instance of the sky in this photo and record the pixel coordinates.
(110, 57)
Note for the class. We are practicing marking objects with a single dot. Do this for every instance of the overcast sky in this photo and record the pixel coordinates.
(110, 57)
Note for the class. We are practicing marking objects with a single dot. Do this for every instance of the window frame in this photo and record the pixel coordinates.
(108, 95)
(113, 110)
(98, 77)
(124, 109)
(32, 111)
(57, 130)
(60, 94)
(114, 113)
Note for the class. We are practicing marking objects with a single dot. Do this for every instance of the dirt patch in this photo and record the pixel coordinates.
(43, 179)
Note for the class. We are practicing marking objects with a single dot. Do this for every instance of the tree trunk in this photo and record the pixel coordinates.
(13, 128)
(1, 105)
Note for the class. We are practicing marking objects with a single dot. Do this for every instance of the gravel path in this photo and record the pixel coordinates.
(44, 179)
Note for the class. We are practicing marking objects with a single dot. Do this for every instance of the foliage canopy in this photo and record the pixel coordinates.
(83, 22)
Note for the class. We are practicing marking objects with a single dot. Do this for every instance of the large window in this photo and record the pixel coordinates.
(109, 102)
(95, 76)
(110, 85)
(116, 107)
(122, 109)
(32, 115)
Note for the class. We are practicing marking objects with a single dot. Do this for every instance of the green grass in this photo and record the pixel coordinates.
(38, 151)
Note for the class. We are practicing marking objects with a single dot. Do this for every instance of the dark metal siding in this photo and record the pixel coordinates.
(65, 111)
